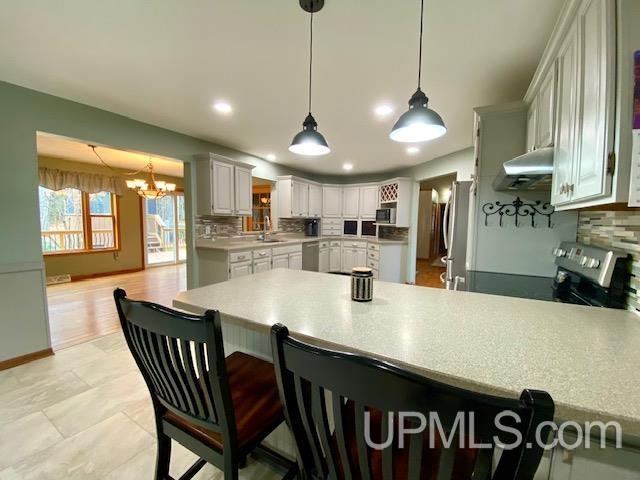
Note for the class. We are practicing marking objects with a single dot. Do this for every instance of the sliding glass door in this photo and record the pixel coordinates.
(164, 230)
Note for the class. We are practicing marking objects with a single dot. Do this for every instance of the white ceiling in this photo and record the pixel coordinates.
(59, 147)
(166, 62)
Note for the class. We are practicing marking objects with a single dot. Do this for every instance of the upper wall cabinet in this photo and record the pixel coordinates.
(297, 198)
(331, 201)
(223, 186)
(368, 201)
(541, 116)
(315, 200)
(350, 202)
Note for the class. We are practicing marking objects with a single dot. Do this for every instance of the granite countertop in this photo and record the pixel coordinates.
(239, 243)
(587, 358)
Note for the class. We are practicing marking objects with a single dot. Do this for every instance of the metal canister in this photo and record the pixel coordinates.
(361, 284)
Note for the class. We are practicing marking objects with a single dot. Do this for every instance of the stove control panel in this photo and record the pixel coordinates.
(595, 263)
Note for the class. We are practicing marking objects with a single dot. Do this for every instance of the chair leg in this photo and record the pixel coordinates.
(230, 468)
(163, 458)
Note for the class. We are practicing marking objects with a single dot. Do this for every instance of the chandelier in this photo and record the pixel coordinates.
(151, 188)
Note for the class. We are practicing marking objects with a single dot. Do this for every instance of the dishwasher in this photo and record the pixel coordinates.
(310, 256)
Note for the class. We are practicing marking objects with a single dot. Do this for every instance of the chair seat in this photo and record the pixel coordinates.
(256, 404)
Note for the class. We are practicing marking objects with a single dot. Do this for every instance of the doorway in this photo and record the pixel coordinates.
(164, 230)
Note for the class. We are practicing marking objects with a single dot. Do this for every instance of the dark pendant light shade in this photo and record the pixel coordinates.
(309, 141)
(419, 123)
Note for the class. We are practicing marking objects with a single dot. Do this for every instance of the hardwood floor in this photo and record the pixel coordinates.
(427, 275)
(83, 310)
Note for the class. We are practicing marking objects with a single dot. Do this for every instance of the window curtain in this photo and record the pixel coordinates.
(55, 179)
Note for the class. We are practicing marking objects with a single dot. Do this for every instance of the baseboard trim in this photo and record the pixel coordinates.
(22, 359)
(75, 278)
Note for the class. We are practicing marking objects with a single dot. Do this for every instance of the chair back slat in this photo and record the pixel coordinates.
(182, 360)
(357, 385)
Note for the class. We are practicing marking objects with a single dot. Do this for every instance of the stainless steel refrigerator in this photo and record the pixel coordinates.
(455, 224)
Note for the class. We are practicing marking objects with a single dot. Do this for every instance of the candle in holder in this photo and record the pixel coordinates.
(361, 284)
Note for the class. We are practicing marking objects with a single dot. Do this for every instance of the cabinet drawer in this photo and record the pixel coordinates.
(371, 263)
(324, 244)
(375, 273)
(373, 246)
(372, 254)
(335, 243)
(239, 256)
(332, 222)
(353, 244)
(332, 231)
(262, 253)
(288, 249)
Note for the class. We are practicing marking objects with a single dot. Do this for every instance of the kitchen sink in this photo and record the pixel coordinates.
(271, 240)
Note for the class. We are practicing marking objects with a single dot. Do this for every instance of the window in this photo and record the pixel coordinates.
(73, 221)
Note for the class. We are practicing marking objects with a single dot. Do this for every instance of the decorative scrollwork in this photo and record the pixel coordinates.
(518, 209)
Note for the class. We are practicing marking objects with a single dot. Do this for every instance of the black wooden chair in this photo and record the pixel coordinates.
(326, 394)
(219, 408)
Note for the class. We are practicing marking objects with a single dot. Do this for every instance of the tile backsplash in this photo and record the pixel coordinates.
(393, 233)
(618, 231)
(217, 227)
(291, 225)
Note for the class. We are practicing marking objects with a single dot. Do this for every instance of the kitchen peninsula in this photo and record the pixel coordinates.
(586, 358)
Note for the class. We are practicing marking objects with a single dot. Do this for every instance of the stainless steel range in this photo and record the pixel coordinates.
(590, 275)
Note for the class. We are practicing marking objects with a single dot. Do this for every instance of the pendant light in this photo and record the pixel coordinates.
(419, 123)
(310, 141)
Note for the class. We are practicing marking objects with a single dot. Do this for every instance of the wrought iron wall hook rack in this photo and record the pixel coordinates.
(518, 209)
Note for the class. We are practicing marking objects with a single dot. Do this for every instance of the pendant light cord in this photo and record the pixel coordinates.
(420, 53)
(310, 56)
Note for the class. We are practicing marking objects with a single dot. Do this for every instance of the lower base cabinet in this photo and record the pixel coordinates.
(295, 261)
(241, 269)
(262, 265)
(324, 260)
(335, 257)
(281, 261)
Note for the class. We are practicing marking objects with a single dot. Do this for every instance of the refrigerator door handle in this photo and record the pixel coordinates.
(445, 224)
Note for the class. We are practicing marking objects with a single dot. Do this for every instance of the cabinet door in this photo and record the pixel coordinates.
(332, 202)
(299, 199)
(243, 191)
(223, 182)
(261, 265)
(532, 121)
(564, 151)
(546, 109)
(281, 261)
(595, 99)
(315, 201)
(335, 260)
(350, 202)
(323, 262)
(360, 258)
(240, 269)
(368, 202)
(295, 261)
(348, 259)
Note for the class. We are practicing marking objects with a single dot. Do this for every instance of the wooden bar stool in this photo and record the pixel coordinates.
(326, 395)
(219, 408)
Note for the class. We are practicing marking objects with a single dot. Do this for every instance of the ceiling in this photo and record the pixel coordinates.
(59, 147)
(167, 62)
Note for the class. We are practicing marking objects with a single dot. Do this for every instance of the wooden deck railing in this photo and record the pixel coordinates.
(70, 240)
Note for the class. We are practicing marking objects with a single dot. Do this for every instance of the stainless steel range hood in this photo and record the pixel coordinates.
(531, 171)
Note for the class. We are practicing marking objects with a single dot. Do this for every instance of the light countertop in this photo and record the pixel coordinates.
(587, 358)
(239, 243)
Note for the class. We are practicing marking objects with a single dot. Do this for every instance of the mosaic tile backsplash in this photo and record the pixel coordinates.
(219, 227)
(618, 231)
(291, 225)
(393, 233)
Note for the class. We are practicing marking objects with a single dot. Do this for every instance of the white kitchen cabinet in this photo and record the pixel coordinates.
(545, 111)
(331, 201)
(243, 191)
(368, 202)
(315, 201)
(532, 125)
(350, 202)
(295, 261)
(262, 265)
(566, 117)
(293, 197)
(281, 261)
(300, 199)
(223, 186)
(596, 25)
(324, 264)
(354, 254)
(240, 269)
(335, 257)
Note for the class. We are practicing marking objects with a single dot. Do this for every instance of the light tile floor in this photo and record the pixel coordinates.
(85, 413)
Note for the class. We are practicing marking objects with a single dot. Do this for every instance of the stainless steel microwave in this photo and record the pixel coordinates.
(386, 215)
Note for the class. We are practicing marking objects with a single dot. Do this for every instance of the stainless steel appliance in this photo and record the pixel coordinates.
(350, 228)
(311, 256)
(369, 228)
(386, 215)
(311, 227)
(589, 275)
(531, 171)
(455, 224)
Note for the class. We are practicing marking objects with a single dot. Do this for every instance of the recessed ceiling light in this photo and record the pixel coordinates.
(383, 110)
(223, 107)
(271, 157)
(412, 150)
(347, 166)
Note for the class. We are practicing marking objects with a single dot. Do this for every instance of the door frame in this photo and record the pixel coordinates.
(143, 220)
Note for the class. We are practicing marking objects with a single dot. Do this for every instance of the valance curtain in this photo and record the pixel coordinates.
(55, 179)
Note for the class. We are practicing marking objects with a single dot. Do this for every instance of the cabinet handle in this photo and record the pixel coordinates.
(570, 188)
(241, 257)
(563, 188)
